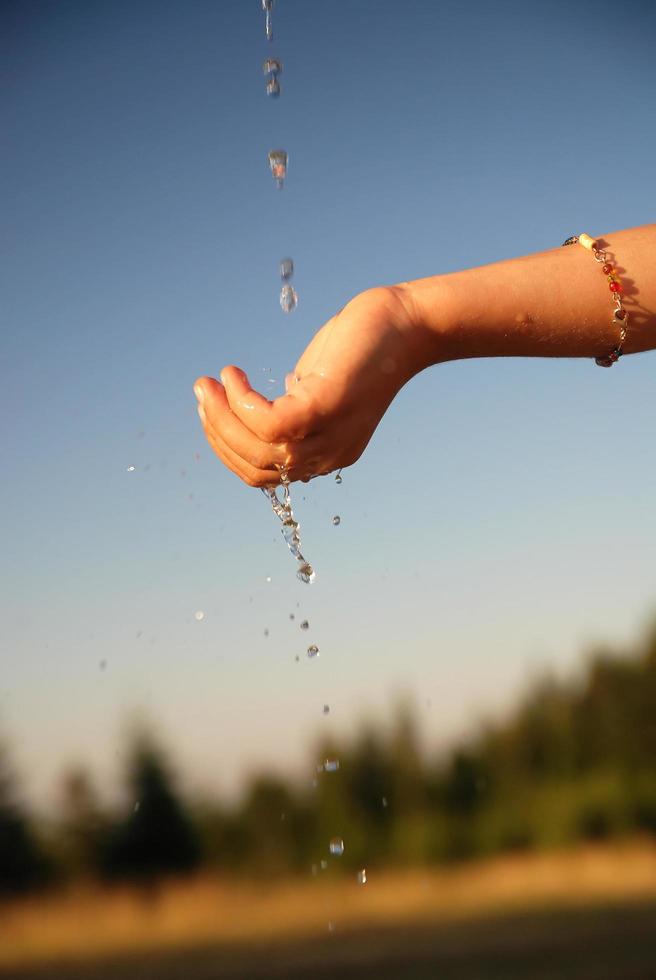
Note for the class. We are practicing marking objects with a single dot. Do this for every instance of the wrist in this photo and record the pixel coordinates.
(432, 326)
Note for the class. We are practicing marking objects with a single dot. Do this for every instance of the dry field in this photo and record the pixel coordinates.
(209, 927)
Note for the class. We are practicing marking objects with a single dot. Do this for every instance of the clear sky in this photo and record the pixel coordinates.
(502, 518)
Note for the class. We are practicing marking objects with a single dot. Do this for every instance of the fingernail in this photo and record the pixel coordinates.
(199, 393)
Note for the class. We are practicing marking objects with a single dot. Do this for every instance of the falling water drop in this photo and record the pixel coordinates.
(313, 651)
(288, 298)
(131, 469)
(278, 160)
(199, 615)
(326, 709)
(336, 520)
(338, 477)
(286, 269)
(306, 573)
(336, 846)
(331, 765)
(305, 625)
(362, 876)
(267, 6)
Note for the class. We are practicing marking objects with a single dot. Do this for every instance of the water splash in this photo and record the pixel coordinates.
(290, 527)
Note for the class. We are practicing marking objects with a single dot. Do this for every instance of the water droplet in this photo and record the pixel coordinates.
(266, 632)
(336, 846)
(268, 578)
(306, 573)
(305, 625)
(103, 664)
(331, 927)
(131, 469)
(199, 615)
(331, 765)
(278, 160)
(291, 615)
(273, 88)
(337, 520)
(288, 298)
(137, 806)
(324, 865)
(338, 477)
(271, 66)
(286, 269)
(326, 709)
(313, 651)
(297, 658)
(362, 876)
(267, 6)
(384, 801)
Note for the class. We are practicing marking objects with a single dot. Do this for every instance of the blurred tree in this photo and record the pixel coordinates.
(23, 864)
(84, 826)
(158, 835)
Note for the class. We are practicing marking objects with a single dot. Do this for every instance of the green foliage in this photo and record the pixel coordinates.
(23, 864)
(574, 762)
(157, 835)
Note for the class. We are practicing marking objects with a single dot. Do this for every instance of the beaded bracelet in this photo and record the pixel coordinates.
(620, 315)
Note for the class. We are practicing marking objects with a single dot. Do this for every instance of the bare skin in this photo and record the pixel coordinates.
(550, 304)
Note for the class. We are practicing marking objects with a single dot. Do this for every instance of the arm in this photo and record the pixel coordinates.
(551, 304)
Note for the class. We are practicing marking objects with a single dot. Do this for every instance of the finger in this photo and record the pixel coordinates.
(278, 421)
(226, 426)
(251, 475)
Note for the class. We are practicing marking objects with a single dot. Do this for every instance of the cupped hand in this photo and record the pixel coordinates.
(336, 395)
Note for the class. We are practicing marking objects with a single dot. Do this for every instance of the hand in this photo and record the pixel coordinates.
(336, 396)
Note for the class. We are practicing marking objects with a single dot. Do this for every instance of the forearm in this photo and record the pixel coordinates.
(550, 304)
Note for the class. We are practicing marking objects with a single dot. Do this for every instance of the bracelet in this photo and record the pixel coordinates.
(620, 315)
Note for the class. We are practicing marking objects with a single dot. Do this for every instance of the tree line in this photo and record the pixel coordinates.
(575, 760)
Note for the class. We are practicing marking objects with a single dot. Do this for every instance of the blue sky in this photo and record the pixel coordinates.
(502, 518)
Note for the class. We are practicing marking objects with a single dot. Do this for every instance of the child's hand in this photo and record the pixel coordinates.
(337, 395)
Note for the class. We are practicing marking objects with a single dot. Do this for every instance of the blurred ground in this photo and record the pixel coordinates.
(617, 943)
(589, 913)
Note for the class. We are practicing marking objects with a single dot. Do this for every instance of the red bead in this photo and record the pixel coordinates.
(615, 287)
(607, 269)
